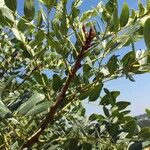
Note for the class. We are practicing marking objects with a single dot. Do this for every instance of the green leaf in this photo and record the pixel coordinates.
(106, 112)
(147, 33)
(148, 112)
(94, 93)
(22, 26)
(87, 146)
(39, 18)
(38, 77)
(48, 3)
(110, 5)
(87, 15)
(130, 127)
(57, 83)
(19, 35)
(39, 108)
(7, 13)
(141, 8)
(144, 133)
(112, 64)
(84, 95)
(29, 9)
(97, 117)
(54, 44)
(130, 64)
(4, 111)
(32, 101)
(124, 17)
(135, 146)
(109, 98)
(115, 20)
(64, 25)
(122, 105)
(39, 38)
(11, 4)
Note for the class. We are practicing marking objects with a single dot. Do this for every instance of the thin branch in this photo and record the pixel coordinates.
(49, 119)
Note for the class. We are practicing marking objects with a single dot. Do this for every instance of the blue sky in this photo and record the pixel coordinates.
(135, 92)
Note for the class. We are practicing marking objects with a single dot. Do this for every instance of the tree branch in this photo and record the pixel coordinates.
(49, 119)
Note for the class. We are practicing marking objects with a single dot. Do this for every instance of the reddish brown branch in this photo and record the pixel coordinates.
(53, 110)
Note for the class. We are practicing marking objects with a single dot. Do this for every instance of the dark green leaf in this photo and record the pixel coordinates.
(38, 77)
(109, 98)
(57, 83)
(122, 105)
(115, 20)
(87, 146)
(97, 117)
(94, 94)
(124, 17)
(29, 9)
(144, 133)
(130, 127)
(106, 112)
(147, 33)
(84, 95)
(135, 146)
(11, 4)
(112, 64)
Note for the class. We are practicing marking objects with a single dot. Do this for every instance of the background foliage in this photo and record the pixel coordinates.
(55, 57)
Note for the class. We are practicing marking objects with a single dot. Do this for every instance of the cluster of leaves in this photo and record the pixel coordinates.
(38, 51)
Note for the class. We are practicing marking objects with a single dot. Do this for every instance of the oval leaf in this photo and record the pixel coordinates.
(147, 33)
(29, 9)
(94, 94)
(39, 108)
(124, 17)
(32, 101)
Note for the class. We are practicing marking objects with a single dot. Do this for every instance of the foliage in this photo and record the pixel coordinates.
(53, 58)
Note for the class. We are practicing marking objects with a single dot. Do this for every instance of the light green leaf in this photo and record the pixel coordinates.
(2, 3)
(39, 108)
(124, 17)
(29, 9)
(147, 33)
(4, 111)
(88, 14)
(19, 35)
(7, 13)
(32, 101)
